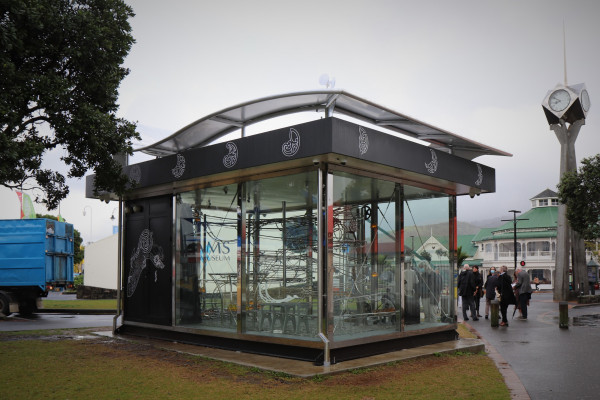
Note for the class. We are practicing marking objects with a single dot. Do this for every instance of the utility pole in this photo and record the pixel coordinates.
(515, 219)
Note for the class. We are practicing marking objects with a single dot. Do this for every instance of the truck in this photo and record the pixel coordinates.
(36, 256)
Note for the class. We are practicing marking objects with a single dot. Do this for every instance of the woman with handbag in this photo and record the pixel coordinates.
(507, 296)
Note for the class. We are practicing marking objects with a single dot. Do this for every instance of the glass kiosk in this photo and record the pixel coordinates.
(291, 242)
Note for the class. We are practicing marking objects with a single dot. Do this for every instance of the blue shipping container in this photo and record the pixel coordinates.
(36, 252)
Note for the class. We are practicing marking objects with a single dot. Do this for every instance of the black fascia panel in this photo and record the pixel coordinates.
(371, 145)
(311, 139)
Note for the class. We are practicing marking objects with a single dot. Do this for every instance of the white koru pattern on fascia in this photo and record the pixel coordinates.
(231, 157)
(135, 173)
(363, 140)
(146, 250)
(432, 166)
(479, 180)
(179, 168)
(291, 147)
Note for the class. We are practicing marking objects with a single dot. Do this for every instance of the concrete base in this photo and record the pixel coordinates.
(306, 369)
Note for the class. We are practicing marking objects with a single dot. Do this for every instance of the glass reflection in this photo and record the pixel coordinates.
(281, 237)
(376, 288)
(206, 272)
(428, 274)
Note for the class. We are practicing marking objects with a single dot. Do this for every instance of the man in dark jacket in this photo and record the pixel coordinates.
(507, 295)
(478, 278)
(524, 286)
(490, 290)
(466, 290)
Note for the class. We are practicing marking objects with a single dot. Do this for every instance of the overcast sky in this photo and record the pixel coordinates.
(477, 69)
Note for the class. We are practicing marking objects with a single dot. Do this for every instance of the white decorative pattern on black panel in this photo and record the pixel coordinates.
(145, 250)
(363, 140)
(231, 157)
(291, 147)
(135, 173)
(432, 166)
(179, 168)
(479, 180)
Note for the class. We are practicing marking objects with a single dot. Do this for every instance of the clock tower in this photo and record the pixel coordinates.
(566, 108)
(569, 103)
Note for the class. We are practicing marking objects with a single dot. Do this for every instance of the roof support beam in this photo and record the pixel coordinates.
(228, 121)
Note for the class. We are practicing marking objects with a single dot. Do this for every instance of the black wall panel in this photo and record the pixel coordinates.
(148, 262)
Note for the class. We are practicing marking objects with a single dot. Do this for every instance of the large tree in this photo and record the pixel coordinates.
(60, 69)
(580, 192)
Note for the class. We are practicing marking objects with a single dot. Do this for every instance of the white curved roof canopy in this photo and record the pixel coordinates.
(210, 128)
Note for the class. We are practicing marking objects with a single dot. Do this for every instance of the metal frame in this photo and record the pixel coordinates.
(208, 129)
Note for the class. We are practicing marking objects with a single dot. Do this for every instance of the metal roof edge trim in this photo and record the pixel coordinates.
(155, 148)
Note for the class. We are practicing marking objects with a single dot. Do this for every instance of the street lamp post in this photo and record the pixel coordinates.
(90, 240)
(515, 219)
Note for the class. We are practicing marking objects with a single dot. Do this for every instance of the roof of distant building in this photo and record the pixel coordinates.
(483, 234)
(536, 218)
(546, 194)
(465, 242)
(535, 223)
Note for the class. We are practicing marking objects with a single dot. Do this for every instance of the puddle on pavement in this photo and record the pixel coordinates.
(584, 320)
(83, 337)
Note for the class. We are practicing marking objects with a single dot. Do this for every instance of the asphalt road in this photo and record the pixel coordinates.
(16, 322)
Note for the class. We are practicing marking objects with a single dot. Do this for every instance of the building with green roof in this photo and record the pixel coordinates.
(536, 232)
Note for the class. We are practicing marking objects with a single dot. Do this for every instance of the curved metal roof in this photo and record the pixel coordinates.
(212, 127)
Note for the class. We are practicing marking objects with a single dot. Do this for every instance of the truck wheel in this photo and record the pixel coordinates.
(27, 307)
(4, 305)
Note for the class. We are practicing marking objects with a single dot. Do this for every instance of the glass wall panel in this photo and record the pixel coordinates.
(428, 274)
(366, 275)
(281, 234)
(371, 285)
(206, 261)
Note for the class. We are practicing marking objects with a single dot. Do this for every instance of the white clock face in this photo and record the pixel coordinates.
(585, 100)
(559, 100)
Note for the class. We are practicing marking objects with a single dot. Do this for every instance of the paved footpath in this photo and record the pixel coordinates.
(549, 362)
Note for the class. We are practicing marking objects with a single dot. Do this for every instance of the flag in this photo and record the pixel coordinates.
(27, 211)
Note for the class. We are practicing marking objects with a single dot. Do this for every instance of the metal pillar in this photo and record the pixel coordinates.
(566, 137)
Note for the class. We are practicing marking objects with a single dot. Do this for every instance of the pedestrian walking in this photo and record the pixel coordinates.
(506, 293)
(524, 287)
(466, 290)
(491, 284)
(478, 278)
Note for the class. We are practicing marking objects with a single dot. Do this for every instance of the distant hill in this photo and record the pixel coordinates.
(422, 233)
(488, 223)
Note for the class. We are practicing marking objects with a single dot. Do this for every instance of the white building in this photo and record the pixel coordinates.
(536, 240)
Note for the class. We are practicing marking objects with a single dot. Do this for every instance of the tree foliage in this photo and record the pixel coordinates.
(580, 192)
(460, 256)
(60, 69)
(425, 254)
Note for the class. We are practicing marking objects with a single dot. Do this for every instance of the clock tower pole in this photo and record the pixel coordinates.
(566, 108)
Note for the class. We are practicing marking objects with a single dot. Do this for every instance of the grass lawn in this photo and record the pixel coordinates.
(103, 304)
(72, 365)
